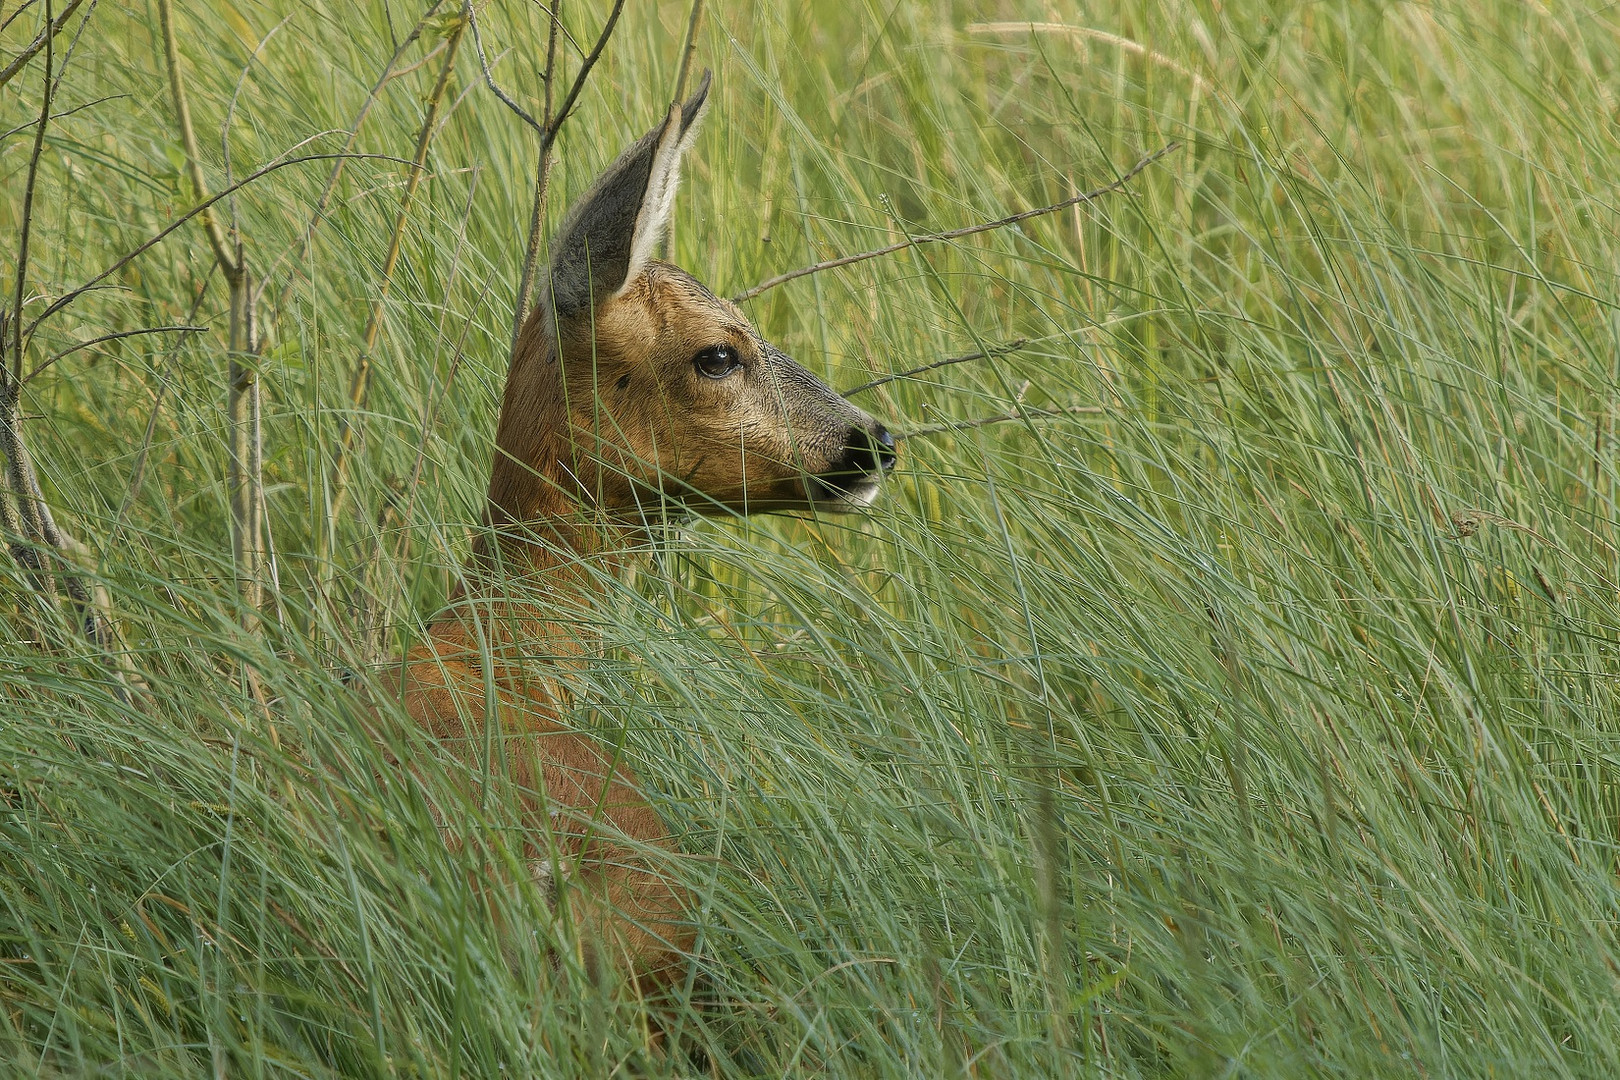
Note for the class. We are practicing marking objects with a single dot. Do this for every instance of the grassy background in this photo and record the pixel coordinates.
(1259, 721)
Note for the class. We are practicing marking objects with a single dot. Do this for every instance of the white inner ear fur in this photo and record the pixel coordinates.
(658, 203)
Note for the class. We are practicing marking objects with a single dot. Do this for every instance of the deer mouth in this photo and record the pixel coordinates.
(842, 494)
(853, 481)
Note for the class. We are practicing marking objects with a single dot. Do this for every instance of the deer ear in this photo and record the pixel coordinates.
(610, 234)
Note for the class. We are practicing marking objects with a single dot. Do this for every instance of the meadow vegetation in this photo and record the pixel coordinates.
(1243, 705)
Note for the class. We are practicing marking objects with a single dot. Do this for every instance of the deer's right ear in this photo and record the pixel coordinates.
(610, 234)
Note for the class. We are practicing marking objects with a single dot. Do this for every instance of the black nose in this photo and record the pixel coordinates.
(869, 452)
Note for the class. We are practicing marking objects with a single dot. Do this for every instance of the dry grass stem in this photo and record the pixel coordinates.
(995, 350)
(999, 418)
(956, 234)
(360, 378)
(1086, 33)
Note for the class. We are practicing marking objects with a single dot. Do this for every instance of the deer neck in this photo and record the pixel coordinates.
(540, 560)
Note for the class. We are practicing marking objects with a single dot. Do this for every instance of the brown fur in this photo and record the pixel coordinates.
(606, 420)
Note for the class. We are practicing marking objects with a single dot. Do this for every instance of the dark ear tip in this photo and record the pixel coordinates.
(694, 104)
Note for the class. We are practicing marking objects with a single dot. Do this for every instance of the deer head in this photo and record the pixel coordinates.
(634, 388)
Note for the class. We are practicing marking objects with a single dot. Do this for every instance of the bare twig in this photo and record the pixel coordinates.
(67, 58)
(244, 411)
(389, 73)
(65, 112)
(188, 137)
(245, 480)
(33, 525)
(542, 179)
(687, 49)
(19, 466)
(360, 379)
(471, 17)
(585, 67)
(1000, 418)
(20, 61)
(22, 525)
(993, 351)
(164, 233)
(37, 368)
(548, 137)
(28, 204)
(16, 14)
(956, 234)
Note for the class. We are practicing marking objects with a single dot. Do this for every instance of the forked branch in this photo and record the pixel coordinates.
(956, 234)
(243, 395)
(25, 527)
(548, 127)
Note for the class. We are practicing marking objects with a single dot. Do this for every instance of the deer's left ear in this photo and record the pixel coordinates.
(612, 232)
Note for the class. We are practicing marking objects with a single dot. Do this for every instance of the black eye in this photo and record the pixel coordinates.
(717, 361)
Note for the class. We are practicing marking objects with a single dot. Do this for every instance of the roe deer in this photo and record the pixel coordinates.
(632, 389)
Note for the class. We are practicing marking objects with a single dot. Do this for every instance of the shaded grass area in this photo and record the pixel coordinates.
(1257, 722)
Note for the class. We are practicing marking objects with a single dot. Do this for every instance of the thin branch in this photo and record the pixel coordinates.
(28, 204)
(17, 14)
(388, 74)
(595, 54)
(243, 407)
(34, 523)
(65, 112)
(551, 59)
(548, 138)
(360, 380)
(1000, 418)
(67, 58)
(956, 234)
(182, 108)
(37, 368)
(542, 180)
(471, 17)
(994, 350)
(20, 61)
(20, 470)
(164, 233)
(687, 49)
(22, 529)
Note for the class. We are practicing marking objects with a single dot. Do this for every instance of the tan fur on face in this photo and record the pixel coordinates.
(647, 426)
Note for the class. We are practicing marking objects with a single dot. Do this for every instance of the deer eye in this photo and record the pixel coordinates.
(717, 361)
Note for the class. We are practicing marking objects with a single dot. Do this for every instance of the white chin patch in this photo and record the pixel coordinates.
(856, 498)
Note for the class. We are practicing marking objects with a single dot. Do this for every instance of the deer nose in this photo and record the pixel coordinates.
(869, 450)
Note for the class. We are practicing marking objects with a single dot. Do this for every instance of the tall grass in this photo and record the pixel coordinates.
(1259, 721)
